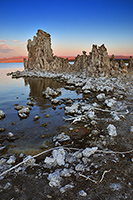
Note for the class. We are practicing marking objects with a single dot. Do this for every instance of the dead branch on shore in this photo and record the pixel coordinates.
(75, 149)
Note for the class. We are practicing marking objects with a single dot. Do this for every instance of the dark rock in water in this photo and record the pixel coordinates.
(18, 107)
(2, 129)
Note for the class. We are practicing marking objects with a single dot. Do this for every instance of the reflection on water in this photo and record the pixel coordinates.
(32, 137)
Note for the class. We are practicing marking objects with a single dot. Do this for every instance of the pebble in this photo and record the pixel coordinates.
(11, 160)
(10, 134)
(2, 114)
(82, 193)
(112, 130)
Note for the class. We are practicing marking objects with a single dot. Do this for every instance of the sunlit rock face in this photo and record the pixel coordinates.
(96, 63)
(40, 54)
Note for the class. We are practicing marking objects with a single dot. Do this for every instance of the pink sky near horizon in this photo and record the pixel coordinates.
(18, 48)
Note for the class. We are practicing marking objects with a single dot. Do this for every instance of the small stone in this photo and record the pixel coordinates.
(2, 130)
(61, 137)
(21, 155)
(10, 134)
(36, 118)
(47, 115)
(101, 97)
(2, 114)
(30, 103)
(7, 186)
(93, 122)
(66, 187)
(131, 130)
(79, 167)
(44, 125)
(112, 130)
(11, 160)
(82, 193)
(49, 196)
(55, 101)
(18, 107)
(94, 132)
(89, 151)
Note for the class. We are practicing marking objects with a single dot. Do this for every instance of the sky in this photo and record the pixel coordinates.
(74, 25)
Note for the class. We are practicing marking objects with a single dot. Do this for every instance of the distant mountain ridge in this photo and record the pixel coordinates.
(71, 58)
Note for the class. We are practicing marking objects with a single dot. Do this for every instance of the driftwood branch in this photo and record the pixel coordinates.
(94, 181)
(70, 148)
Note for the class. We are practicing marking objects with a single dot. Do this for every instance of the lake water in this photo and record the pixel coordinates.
(32, 137)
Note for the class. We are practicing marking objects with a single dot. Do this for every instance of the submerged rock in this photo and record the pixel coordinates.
(18, 107)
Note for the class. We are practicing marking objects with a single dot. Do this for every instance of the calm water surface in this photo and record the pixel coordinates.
(32, 137)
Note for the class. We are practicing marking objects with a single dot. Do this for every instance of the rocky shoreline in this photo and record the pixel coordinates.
(95, 164)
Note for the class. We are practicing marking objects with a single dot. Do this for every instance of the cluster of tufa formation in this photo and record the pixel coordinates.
(40, 58)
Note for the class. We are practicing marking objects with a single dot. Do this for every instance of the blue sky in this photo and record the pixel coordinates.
(74, 25)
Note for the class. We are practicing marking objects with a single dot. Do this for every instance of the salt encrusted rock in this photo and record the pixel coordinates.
(10, 134)
(72, 109)
(110, 102)
(49, 92)
(66, 187)
(65, 173)
(55, 101)
(61, 137)
(29, 161)
(89, 151)
(2, 114)
(91, 115)
(11, 160)
(58, 157)
(79, 167)
(54, 179)
(23, 113)
(82, 193)
(131, 130)
(2, 161)
(112, 130)
(101, 97)
(78, 154)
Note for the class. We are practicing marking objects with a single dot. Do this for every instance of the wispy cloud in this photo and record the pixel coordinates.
(3, 40)
(5, 48)
(15, 40)
(23, 43)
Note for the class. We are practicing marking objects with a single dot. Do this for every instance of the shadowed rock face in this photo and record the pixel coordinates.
(97, 63)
